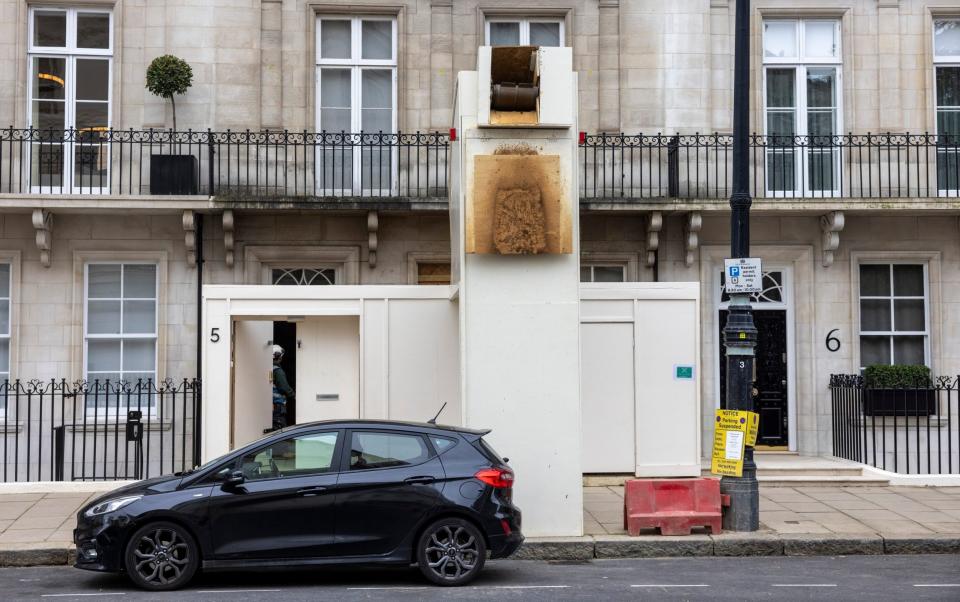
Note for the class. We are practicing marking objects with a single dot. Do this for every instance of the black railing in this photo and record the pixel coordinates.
(903, 430)
(94, 431)
(234, 165)
(628, 167)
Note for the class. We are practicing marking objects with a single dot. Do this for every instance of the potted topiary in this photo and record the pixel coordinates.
(898, 391)
(168, 76)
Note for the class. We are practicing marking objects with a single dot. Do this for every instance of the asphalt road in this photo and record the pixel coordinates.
(872, 578)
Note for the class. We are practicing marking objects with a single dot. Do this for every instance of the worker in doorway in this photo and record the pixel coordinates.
(282, 391)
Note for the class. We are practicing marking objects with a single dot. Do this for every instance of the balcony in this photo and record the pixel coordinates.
(408, 171)
(275, 169)
(787, 172)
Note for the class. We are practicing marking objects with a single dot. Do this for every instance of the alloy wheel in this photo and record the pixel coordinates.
(161, 556)
(452, 552)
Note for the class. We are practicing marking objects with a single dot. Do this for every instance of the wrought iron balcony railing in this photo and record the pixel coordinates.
(272, 165)
(233, 165)
(699, 166)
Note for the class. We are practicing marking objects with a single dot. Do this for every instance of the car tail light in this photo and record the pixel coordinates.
(500, 478)
(506, 526)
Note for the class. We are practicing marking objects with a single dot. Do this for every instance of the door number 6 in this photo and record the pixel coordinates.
(833, 343)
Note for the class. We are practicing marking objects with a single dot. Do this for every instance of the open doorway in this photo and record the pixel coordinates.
(285, 335)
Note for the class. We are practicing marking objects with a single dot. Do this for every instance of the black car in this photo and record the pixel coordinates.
(346, 492)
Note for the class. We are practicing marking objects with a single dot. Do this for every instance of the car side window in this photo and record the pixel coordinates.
(291, 457)
(386, 450)
(442, 444)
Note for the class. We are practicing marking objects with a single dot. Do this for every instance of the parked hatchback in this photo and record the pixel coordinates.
(359, 492)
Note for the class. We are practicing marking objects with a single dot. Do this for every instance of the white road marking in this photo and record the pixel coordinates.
(384, 588)
(530, 587)
(803, 585)
(236, 591)
(74, 595)
(936, 585)
(672, 585)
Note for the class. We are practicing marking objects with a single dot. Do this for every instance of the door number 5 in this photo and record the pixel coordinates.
(833, 343)
(214, 335)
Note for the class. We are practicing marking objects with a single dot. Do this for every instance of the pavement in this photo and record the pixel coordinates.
(36, 526)
(874, 578)
(825, 510)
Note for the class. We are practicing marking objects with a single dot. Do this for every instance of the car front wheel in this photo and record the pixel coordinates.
(451, 552)
(161, 556)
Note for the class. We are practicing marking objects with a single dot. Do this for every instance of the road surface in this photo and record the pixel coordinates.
(873, 578)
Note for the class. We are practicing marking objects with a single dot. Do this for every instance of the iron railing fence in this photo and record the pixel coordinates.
(888, 165)
(903, 430)
(235, 165)
(93, 431)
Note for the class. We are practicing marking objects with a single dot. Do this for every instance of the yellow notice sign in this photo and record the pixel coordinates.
(733, 431)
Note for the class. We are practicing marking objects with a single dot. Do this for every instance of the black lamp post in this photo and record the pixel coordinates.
(740, 334)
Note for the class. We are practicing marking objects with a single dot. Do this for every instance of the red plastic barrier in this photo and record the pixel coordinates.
(672, 505)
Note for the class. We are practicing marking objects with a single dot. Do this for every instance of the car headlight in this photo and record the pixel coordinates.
(111, 505)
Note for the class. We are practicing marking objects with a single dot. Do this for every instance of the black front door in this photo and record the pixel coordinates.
(770, 379)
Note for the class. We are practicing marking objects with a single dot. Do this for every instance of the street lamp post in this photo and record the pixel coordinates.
(740, 334)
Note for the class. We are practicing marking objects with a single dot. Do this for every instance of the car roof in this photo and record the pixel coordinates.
(388, 424)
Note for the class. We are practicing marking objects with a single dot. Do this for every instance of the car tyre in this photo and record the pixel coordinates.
(161, 556)
(451, 552)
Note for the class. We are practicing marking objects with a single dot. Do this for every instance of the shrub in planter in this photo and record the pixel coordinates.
(168, 76)
(898, 391)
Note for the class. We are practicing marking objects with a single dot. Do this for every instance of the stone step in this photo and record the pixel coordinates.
(822, 481)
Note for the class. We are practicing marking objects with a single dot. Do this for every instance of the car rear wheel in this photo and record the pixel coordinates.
(161, 556)
(451, 552)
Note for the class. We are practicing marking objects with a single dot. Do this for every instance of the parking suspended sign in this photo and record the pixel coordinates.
(733, 431)
(742, 276)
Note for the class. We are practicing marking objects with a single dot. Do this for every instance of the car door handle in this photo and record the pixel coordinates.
(424, 480)
(308, 491)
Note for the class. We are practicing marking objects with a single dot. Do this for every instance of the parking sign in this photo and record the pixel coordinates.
(743, 276)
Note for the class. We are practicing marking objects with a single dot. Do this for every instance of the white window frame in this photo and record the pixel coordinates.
(356, 63)
(524, 27)
(949, 154)
(892, 334)
(801, 63)
(151, 404)
(623, 267)
(70, 53)
(337, 269)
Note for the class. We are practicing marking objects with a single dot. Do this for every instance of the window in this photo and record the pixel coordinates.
(386, 450)
(442, 444)
(356, 93)
(70, 59)
(293, 457)
(4, 321)
(303, 276)
(946, 58)
(801, 74)
(120, 322)
(603, 273)
(893, 314)
(524, 32)
(433, 273)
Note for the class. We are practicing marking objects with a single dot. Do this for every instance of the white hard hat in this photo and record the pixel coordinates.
(277, 351)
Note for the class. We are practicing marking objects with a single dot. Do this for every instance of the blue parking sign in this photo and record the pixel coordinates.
(734, 271)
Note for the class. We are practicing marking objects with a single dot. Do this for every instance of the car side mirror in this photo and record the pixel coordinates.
(234, 479)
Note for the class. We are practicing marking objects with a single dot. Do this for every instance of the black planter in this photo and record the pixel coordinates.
(173, 174)
(899, 402)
